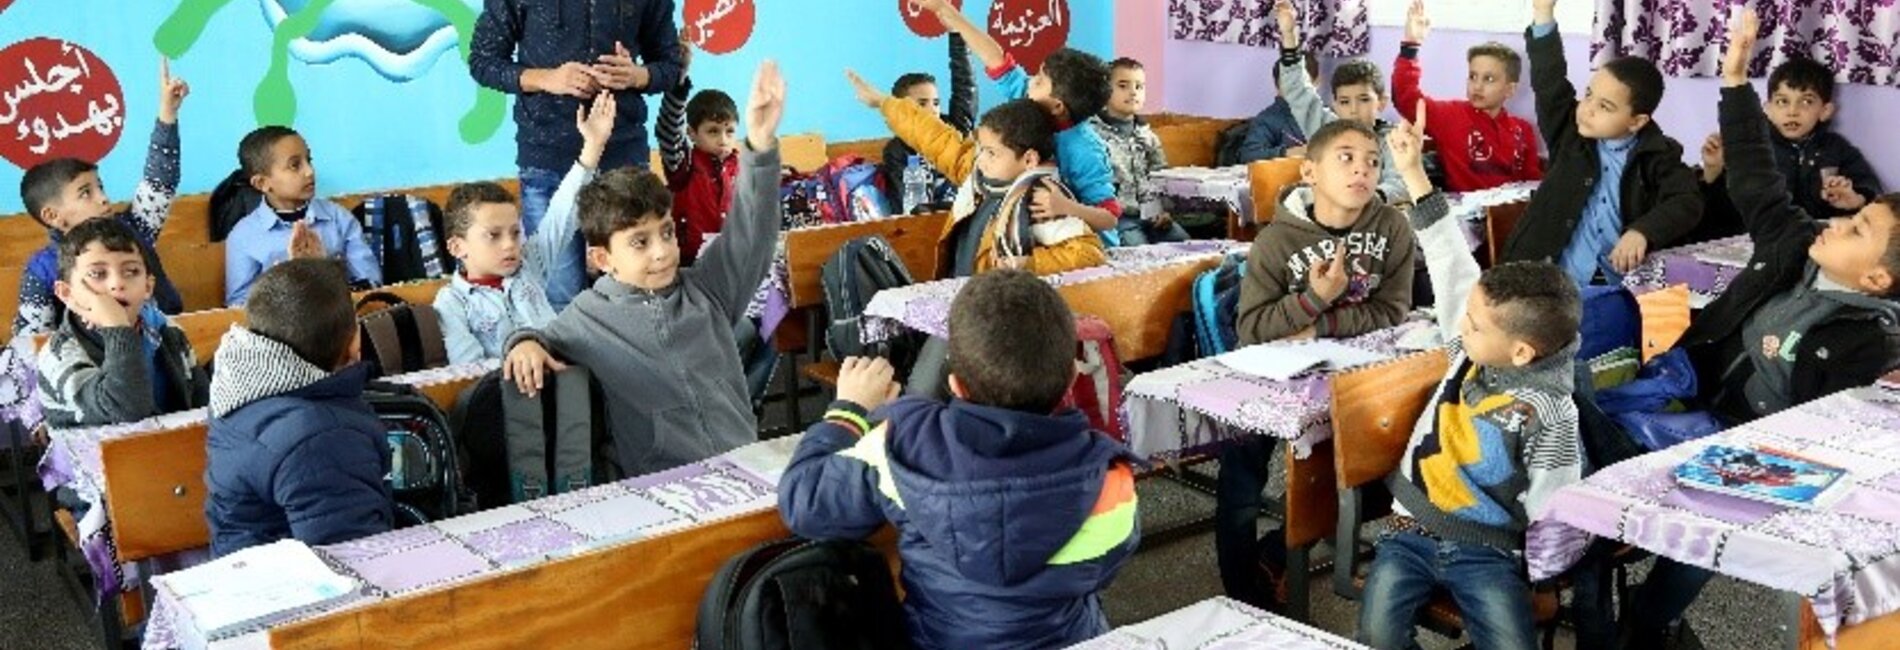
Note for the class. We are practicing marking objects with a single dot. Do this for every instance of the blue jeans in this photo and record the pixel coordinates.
(1488, 584)
(567, 274)
(1137, 232)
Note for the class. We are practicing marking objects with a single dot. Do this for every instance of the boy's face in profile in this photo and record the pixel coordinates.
(1128, 92)
(718, 138)
(645, 256)
(491, 247)
(1488, 84)
(925, 95)
(1042, 90)
(1358, 102)
(1605, 112)
(1345, 172)
(1485, 341)
(83, 199)
(1795, 113)
(119, 275)
(292, 179)
(997, 161)
(1850, 250)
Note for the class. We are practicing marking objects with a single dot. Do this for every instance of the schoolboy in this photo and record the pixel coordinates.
(1134, 153)
(501, 285)
(663, 335)
(1618, 188)
(1013, 515)
(1358, 89)
(1481, 145)
(961, 115)
(62, 193)
(293, 450)
(699, 147)
(280, 167)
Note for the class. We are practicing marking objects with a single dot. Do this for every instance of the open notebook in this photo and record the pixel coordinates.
(1762, 474)
(255, 587)
(1281, 361)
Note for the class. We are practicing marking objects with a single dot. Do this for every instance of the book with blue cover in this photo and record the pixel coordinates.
(1762, 474)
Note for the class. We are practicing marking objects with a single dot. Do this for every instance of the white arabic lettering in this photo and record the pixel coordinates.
(720, 10)
(1023, 31)
(58, 77)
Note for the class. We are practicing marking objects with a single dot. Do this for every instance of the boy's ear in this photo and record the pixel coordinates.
(1827, 111)
(1522, 353)
(48, 214)
(1307, 171)
(64, 291)
(257, 182)
(956, 387)
(1638, 122)
(458, 246)
(1877, 281)
(598, 258)
(1032, 158)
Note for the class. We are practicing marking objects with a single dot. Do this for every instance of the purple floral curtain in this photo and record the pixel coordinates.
(1686, 38)
(1331, 27)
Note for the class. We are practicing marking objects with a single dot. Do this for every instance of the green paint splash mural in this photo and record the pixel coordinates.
(399, 39)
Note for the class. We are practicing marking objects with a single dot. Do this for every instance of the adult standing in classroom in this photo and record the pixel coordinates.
(555, 55)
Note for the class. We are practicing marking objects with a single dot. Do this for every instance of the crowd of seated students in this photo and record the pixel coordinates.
(1012, 513)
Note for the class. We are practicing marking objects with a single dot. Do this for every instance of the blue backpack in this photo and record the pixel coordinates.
(855, 188)
(1216, 305)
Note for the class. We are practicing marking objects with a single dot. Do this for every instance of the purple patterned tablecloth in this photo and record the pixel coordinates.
(1843, 557)
(478, 545)
(925, 306)
(19, 385)
(1185, 189)
(1191, 406)
(1707, 268)
(1218, 623)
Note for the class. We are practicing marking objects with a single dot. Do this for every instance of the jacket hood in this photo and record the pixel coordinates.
(1295, 209)
(251, 367)
(968, 472)
(1555, 374)
(1885, 310)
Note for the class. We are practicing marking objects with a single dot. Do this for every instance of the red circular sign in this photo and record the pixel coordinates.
(4, 3)
(1030, 30)
(718, 26)
(921, 22)
(57, 100)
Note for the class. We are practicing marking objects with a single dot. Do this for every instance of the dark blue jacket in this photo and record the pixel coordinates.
(1270, 133)
(1010, 525)
(306, 464)
(516, 35)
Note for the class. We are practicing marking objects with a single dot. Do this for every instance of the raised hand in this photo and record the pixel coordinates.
(686, 53)
(171, 92)
(867, 382)
(867, 94)
(1839, 192)
(1544, 11)
(935, 6)
(765, 108)
(1417, 24)
(1329, 276)
(1712, 161)
(1289, 19)
(1742, 31)
(1407, 144)
(596, 124)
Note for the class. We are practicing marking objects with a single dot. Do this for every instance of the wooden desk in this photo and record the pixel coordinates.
(1138, 307)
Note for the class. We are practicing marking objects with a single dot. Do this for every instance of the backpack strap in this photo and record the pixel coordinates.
(385, 343)
(526, 441)
(573, 430)
(432, 346)
(384, 298)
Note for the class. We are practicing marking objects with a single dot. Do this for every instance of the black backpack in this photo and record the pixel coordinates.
(854, 274)
(231, 201)
(423, 473)
(1227, 145)
(516, 448)
(400, 337)
(407, 234)
(799, 594)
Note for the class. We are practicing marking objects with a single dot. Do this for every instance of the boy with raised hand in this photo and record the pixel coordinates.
(662, 335)
(62, 193)
(1072, 86)
(921, 88)
(1497, 440)
(1480, 144)
(1618, 188)
(1012, 514)
(1812, 313)
(1827, 174)
(1358, 95)
(501, 285)
(700, 150)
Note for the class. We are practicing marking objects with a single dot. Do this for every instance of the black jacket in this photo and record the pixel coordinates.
(1660, 198)
(1849, 350)
(1800, 163)
(516, 35)
(961, 116)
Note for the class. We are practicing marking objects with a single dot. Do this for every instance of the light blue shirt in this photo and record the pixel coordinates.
(477, 320)
(1601, 224)
(261, 240)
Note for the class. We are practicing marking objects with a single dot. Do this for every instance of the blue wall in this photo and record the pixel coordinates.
(368, 132)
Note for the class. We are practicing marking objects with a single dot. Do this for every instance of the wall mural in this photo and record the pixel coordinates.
(1030, 30)
(57, 100)
(718, 26)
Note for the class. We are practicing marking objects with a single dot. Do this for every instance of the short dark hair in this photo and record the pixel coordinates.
(254, 151)
(1802, 73)
(459, 214)
(1317, 145)
(1643, 80)
(1023, 126)
(1012, 342)
(305, 304)
(1124, 63)
(1536, 302)
(1513, 62)
(1359, 71)
(113, 234)
(911, 80)
(710, 106)
(1079, 81)
(621, 199)
(1890, 260)
(43, 184)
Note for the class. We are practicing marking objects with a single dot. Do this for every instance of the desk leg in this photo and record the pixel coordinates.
(1299, 579)
(1788, 629)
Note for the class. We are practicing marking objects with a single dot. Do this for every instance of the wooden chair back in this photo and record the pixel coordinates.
(914, 237)
(1665, 319)
(804, 152)
(1268, 178)
(1312, 503)
(871, 149)
(1499, 221)
(1374, 409)
(1191, 143)
(1139, 307)
(155, 492)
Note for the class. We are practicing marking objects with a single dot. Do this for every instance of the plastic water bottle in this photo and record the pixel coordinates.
(916, 183)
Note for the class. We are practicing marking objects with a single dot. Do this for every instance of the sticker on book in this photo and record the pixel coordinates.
(719, 26)
(1030, 30)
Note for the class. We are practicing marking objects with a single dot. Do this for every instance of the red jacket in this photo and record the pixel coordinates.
(1477, 151)
(702, 192)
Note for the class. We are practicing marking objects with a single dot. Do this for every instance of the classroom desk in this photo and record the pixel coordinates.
(1135, 279)
(1218, 622)
(1707, 268)
(448, 581)
(1843, 559)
